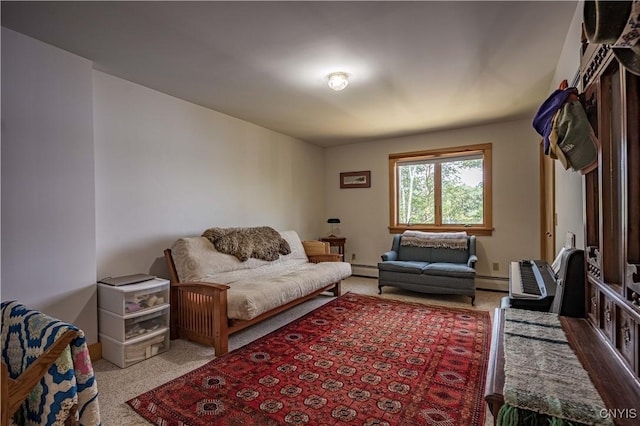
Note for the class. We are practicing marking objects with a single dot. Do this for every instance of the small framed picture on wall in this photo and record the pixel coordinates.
(355, 179)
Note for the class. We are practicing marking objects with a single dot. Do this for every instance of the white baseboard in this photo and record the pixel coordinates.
(492, 283)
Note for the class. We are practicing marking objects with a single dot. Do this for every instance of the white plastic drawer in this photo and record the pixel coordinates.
(124, 354)
(127, 299)
(123, 328)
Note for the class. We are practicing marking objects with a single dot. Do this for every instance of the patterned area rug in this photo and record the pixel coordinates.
(358, 360)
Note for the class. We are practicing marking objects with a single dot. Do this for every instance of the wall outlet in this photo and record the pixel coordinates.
(496, 266)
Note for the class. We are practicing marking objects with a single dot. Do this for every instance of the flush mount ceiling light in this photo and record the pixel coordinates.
(338, 80)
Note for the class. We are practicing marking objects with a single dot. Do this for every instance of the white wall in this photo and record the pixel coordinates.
(48, 216)
(166, 168)
(160, 168)
(365, 212)
(569, 205)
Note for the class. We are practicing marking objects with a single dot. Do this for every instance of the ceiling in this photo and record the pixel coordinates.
(415, 66)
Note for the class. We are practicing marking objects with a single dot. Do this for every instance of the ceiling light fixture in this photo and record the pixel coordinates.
(338, 80)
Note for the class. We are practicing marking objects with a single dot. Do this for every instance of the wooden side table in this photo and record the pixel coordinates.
(336, 242)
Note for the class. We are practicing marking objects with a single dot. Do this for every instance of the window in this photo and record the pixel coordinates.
(441, 190)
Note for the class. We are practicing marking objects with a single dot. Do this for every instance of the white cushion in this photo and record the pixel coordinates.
(196, 259)
(246, 299)
(256, 286)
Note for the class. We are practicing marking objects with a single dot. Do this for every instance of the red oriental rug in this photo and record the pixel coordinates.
(358, 360)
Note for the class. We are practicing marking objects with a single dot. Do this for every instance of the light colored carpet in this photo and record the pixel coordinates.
(116, 385)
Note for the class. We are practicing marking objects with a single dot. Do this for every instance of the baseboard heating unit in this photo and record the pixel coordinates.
(364, 270)
(483, 282)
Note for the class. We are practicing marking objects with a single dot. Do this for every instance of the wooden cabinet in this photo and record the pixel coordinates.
(612, 205)
(607, 341)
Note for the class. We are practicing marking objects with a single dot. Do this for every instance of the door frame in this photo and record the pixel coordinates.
(548, 221)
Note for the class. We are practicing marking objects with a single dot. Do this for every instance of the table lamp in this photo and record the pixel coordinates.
(333, 221)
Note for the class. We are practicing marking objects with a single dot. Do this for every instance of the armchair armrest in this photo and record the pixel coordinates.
(314, 247)
(390, 255)
(199, 311)
(332, 257)
(472, 261)
(18, 389)
(54, 365)
(199, 287)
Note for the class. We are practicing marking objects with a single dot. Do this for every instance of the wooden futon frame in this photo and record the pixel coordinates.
(199, 309)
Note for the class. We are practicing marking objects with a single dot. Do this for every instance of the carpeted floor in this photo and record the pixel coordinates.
(117, 385)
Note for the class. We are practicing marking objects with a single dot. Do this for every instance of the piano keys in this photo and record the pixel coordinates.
(531, 279)
(534, 285)
(527, 287)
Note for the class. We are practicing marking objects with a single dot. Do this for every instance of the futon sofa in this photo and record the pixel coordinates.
(215, 294)
(437, 263)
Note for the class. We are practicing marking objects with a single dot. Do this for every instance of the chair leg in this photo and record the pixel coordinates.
(379, 289)
(473, 299)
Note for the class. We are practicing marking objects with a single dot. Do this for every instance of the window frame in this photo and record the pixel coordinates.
(485, 228)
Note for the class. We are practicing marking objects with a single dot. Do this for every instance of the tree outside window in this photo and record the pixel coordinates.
(443, 190)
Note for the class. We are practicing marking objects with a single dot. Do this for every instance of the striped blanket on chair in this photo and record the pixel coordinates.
(449, 240)
(68, 391)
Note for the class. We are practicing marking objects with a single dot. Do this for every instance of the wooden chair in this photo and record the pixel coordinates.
(15, 391)
(314, 247)
(319, 251)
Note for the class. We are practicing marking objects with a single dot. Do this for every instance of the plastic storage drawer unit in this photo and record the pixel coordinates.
(127, 299)
(123, 328)
(125, 354)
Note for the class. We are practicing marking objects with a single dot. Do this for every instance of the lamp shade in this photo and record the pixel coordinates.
(334, 228)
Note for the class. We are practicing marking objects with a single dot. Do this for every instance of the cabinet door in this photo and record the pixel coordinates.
(626, 338)
(610, 136)
(608, 318)
(593, 304)
(592, 191)
(631, 191)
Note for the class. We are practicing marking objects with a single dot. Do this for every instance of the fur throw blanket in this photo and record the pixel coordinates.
(260, 242)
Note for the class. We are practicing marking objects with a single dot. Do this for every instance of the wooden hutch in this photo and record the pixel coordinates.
(612, 207)
(607, 341)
